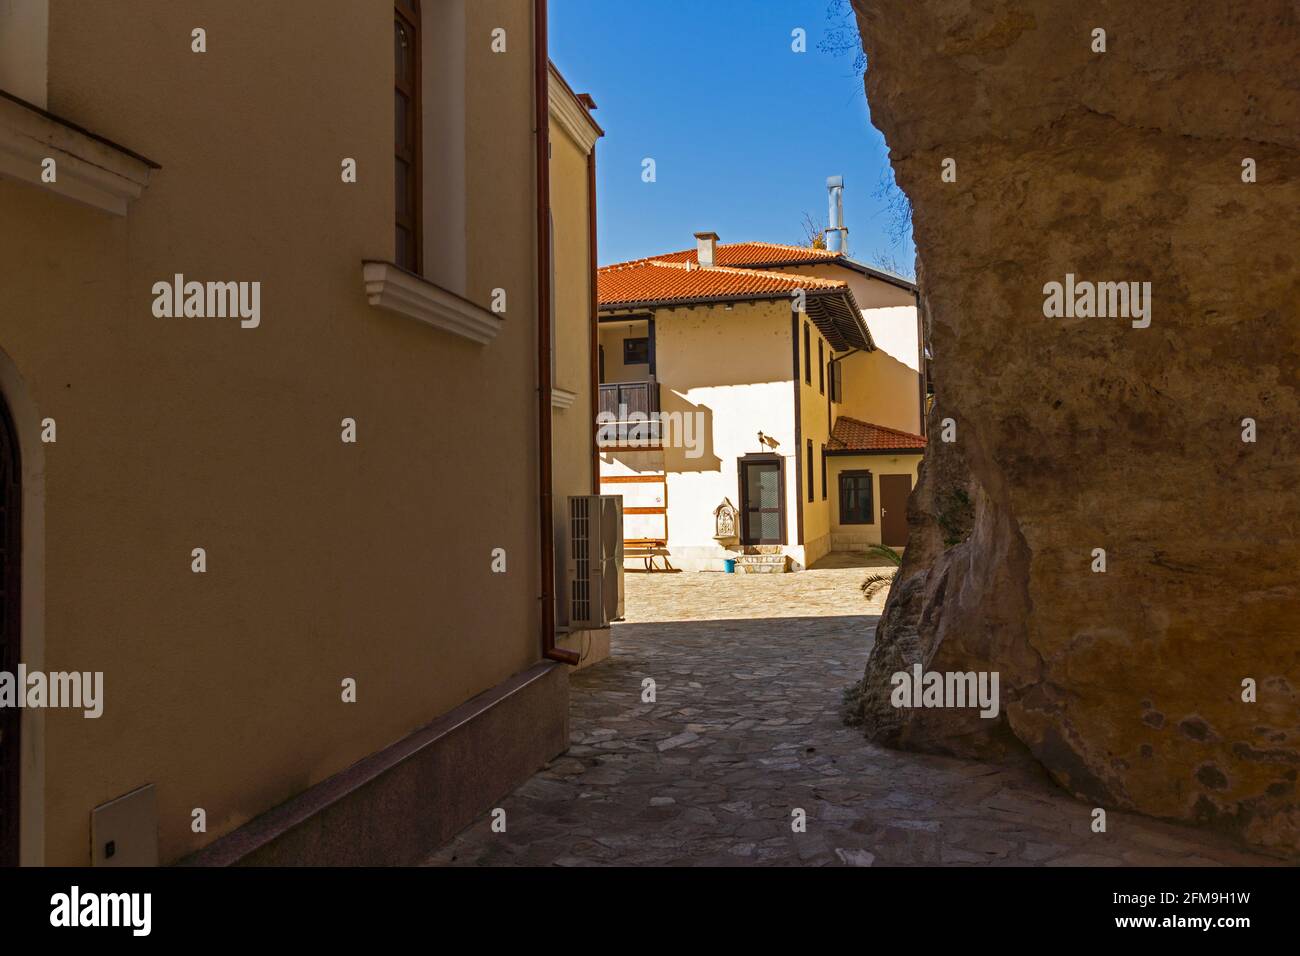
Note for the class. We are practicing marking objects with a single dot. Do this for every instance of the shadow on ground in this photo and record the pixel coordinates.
(744, 736)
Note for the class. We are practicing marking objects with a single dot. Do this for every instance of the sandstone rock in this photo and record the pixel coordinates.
(1083, 433)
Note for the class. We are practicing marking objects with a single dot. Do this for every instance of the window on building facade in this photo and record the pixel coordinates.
(823, 471)
(636, 351)
(856, 505)
(406, 53)
(807, 355)
(809, 469)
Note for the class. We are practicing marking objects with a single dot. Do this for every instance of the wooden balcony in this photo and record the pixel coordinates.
(630, 416)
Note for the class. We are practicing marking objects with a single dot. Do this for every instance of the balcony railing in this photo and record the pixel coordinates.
(629, 415)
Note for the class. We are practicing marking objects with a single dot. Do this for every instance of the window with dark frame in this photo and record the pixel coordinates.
(406, 53)
(636, 351)
(811, 489)
(550, 257)
(837, 381)
(856, 504)
(823, 471)
(807, 355)
(821, 368)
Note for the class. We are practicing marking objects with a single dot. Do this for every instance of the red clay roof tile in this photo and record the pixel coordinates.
(750, 254)
(849, 434)
(654, 280)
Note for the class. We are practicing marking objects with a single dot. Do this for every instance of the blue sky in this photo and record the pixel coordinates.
(743, 131)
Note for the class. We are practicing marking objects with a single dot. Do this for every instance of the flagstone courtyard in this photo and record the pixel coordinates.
(745, 732)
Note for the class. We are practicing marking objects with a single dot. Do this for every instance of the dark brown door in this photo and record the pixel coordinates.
(762, 500)
(10, 623)
(894, 491)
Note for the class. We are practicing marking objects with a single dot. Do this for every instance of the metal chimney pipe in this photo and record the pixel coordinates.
(837, 237)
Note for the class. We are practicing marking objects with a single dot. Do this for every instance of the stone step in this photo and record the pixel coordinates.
(763, 563)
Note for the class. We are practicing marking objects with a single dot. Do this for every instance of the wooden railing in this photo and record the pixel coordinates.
(630, 414)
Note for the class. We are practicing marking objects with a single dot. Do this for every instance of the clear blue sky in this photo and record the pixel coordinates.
(743, 131)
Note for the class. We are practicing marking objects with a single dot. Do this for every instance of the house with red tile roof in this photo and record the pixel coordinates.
(759, 402)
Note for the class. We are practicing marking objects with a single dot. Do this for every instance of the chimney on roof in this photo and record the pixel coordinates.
(706, 247)
(837, 236)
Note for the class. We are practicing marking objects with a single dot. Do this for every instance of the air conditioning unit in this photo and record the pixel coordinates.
(594, 570)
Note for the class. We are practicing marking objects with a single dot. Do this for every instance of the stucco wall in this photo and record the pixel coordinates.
(868, 292)
(882, 387)
(737, 366)
(573, 428)
(325, 560)
(815, 425)
(731, 368)
(896, 331)
(729, 371)
(856, 537)
(611, 340)
(24, 43)
(881, 390)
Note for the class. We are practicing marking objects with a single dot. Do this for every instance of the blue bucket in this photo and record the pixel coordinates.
(729, 565)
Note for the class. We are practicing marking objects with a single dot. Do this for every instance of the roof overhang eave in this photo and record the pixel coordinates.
(834, 311)
(848, 452)
(874, 273)
(842, 321)
(694, 300)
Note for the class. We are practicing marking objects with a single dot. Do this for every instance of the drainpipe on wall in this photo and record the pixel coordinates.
(595, 318)
(546, 524)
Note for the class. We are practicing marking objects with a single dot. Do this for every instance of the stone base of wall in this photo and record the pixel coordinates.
(763, 563)
(398, 805)
(855, 540)
(703, 557)
(709, 557)
(816, 549)
(592, 646)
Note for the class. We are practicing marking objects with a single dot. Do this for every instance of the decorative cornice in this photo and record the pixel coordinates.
(394, 289)
(88, 169)
(562, 397)
(568, 111)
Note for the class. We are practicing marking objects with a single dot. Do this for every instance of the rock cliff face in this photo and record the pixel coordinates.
(1083, 432)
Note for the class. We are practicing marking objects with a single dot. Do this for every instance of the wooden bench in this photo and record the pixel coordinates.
(647, 549)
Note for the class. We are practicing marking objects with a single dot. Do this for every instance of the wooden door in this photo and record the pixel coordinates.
(10, 631)
(894, 492)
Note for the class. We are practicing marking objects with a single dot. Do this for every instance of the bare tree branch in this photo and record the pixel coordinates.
(842, 36)
(814, 232)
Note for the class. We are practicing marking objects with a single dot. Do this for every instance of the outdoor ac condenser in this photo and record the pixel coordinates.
(595, 562)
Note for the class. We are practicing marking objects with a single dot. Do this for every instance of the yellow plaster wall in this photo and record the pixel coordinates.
(857, 537)
(573, 428)
(325, 561)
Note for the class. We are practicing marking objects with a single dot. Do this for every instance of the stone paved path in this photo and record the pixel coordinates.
(749, 671)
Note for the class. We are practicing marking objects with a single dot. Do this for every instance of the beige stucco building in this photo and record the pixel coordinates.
(262, 346)
(573, 389)
(788, 388)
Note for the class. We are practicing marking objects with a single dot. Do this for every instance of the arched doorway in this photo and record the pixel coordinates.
(10, 630)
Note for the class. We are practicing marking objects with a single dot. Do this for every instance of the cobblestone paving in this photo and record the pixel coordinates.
(749, 671)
